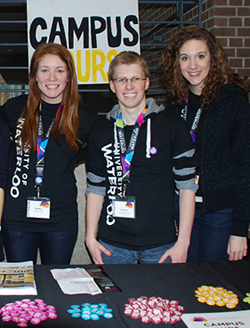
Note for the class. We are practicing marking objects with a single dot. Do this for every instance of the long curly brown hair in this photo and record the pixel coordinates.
(67, 121)
(219, 74)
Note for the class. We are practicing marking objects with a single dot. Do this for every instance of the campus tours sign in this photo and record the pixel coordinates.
(93, 31)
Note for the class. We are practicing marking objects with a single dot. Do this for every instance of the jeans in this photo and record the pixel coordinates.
(56, 247)
(127, 256)
(210, 234)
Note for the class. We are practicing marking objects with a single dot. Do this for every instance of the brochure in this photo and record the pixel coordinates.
(17, 278)
(234, 319)
(80, 281)
(103, 280)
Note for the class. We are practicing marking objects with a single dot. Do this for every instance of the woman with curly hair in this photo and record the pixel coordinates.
(49, 128)
(204, 91)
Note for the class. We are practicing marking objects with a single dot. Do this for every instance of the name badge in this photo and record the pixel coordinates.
(124, 207)
(38, 208)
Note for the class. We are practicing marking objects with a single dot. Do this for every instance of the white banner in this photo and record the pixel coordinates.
(93, 31)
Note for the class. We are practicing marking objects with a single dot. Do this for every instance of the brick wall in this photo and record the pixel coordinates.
(228, 20)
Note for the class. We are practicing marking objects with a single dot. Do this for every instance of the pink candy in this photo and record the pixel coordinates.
(24, 311)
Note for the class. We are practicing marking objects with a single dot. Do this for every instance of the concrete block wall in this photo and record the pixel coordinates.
(80, 255)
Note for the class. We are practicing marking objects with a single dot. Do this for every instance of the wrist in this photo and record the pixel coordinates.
(183, 243)
(90, 238)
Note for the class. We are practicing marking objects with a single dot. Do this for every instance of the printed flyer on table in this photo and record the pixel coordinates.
(234, 319)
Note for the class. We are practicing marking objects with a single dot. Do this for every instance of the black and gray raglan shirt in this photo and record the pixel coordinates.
(163, 158)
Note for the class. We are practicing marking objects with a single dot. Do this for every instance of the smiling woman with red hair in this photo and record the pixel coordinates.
(49, 128)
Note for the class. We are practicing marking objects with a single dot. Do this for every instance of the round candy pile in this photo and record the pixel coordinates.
(24, 311)
(154, 309)
(90, 311)
(247, 299)
(216, 296)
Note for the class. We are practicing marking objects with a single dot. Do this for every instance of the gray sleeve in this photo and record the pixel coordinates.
(184, 175)
(94, 184)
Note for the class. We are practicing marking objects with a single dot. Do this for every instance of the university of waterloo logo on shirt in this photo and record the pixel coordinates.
(21, 171)
(111, 153)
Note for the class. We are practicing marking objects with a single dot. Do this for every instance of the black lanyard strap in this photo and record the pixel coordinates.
(42, 142)
(194, 126)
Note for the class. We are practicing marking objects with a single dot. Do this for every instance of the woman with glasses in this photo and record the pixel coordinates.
(135, 157)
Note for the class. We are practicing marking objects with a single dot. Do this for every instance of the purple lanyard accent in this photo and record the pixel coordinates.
(196, 120)
(128, 153)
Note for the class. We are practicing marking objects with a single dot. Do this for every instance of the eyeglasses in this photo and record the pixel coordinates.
(133, 80)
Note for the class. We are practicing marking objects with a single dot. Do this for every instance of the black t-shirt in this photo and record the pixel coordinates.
(151, 179)
(59, 181)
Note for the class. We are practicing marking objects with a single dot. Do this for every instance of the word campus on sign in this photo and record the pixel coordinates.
(93, 39)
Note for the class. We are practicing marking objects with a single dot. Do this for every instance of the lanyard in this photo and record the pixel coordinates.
(196, 120)
(42, 142)
(128, 153)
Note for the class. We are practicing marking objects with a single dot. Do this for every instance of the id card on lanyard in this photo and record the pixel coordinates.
(39, 207)
(124, 207)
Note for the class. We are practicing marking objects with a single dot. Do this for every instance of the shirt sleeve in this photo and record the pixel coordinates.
(183, 158)
(4, 147)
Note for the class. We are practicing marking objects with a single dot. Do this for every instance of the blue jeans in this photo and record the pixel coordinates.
(56, 247)
(127, 256)
(210, 234)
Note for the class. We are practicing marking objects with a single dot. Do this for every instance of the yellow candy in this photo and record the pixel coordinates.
(211, 298)
(231, 305)
(202, 299)
(197, 292)
(229, 292)
(205, 287)
(210, 302)
(234, 301)
(216, 296)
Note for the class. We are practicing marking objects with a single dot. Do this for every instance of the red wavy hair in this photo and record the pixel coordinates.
(67, 121)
